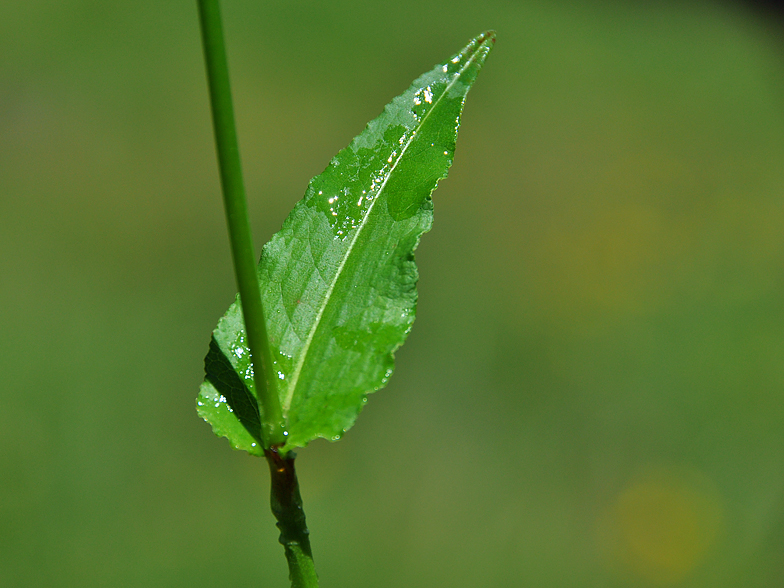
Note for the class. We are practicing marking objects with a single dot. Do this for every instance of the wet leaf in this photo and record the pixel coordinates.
(338, 282)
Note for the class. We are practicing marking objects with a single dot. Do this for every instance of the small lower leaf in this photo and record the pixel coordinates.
(338, 282)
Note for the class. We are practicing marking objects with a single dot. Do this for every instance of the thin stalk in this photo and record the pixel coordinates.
(285, 498)
(273, 425)
(286, 504)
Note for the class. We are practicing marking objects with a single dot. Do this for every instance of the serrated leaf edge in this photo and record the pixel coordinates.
(286, 404)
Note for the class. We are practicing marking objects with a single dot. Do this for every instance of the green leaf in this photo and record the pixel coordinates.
(338, 282)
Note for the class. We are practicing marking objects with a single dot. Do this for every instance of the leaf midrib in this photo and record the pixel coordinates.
(286, 405)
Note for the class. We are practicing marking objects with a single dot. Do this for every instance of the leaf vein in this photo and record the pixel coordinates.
(294, 382)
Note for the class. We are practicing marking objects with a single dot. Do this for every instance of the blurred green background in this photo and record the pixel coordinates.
(593, 392)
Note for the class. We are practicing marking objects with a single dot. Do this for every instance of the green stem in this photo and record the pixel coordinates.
(286, 504)
(273, 425)
(285, 498)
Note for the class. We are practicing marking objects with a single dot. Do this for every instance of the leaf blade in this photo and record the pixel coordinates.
(339, 280)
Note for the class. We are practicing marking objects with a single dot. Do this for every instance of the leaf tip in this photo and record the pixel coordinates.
(488, 36)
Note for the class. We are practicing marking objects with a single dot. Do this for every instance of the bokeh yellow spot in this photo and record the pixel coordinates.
(661, 527)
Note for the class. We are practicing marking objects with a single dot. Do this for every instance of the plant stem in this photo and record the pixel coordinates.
(285, 498)
(286, 504)
(273, 425)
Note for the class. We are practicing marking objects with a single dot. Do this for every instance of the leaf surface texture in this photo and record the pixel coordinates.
(338, 282)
